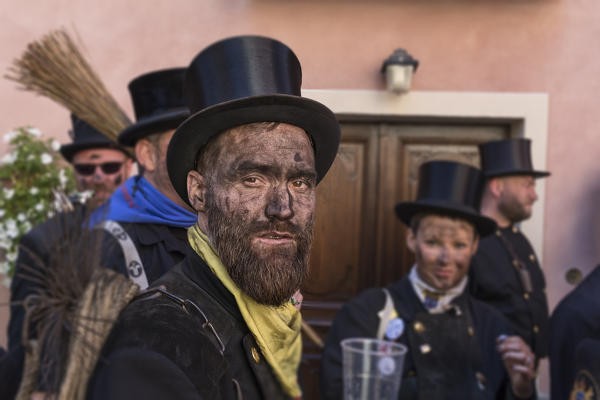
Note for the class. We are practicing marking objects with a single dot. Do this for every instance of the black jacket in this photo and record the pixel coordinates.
(577, 317)
(586, 384)
(159, 246)
(162, 349)
(359, 318)
(37, 249)
(494, 279)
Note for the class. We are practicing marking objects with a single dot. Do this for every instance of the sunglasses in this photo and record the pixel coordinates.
(107, 168)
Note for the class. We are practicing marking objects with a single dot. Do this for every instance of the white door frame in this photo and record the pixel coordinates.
(527, 111)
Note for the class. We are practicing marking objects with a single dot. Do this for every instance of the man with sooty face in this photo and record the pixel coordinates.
(220, 324)
(458, 347)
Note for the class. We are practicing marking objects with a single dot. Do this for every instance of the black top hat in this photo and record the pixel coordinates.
(448, 188)
(508, 157)
(242, 80)
(158, 103)
(83, 137)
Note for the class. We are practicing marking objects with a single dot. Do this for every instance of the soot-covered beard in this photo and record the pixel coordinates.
(271, 277)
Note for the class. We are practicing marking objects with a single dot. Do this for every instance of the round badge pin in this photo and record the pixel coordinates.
(386, 365)
(394, 329)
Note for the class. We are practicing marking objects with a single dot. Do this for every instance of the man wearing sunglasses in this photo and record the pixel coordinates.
(99, 163)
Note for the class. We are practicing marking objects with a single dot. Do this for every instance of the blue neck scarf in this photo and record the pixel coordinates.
(138, 201)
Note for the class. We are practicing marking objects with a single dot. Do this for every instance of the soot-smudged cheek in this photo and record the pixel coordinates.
(240, 202)
(303, 203)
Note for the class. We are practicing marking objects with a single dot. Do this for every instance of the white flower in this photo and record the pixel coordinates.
(26, 226)
(55, 145)
(34, 132)
(10, 136)
(6, 281)
(21, 217)
(9, 193)
(5, 244)
(12, 231)
(39, 207)
(50, 214)
(9, 158)
(11, 257)
(30, 157)
(34, 190)
(2, 212)
(62, 177)
(46, 158)
(4, 268)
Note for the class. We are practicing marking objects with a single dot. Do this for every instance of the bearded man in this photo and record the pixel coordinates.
(458, 347)
(99, 164)
(505, 272)
(220, 325)
(145, 215)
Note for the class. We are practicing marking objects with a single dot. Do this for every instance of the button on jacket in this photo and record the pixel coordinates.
(494, 279)
(360, 318)
(160, 350)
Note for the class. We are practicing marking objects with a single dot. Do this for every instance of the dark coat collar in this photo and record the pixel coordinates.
(174, 238)
(196, 269)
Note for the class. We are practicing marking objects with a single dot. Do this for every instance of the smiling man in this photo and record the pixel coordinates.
(459, 348)
(505, 272)
(220, 325)
(99, 163)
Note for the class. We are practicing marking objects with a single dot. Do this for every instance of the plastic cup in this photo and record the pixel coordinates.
(372, 368)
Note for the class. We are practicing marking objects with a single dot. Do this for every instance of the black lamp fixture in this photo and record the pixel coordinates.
(398, 70)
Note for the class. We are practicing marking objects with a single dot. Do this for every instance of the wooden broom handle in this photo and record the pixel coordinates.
(312, 335)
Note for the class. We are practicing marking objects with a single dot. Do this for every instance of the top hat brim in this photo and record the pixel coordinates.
(405, 211)
(68, 151)
(313, 117)
(155, 124)
(499, 173)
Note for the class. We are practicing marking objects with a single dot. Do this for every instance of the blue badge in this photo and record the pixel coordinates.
(394, 329)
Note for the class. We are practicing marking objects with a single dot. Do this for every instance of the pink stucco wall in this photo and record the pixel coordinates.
(488, 45)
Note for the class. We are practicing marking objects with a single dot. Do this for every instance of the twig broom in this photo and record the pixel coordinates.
(54, 67)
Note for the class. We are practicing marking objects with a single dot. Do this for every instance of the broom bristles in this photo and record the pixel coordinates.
(54, 67)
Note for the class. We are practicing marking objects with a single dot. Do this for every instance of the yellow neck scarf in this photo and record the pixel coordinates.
(276, 329)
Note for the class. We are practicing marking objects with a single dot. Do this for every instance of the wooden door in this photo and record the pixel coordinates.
(359, 243)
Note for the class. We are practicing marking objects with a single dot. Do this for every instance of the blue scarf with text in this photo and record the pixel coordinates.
(138, 201)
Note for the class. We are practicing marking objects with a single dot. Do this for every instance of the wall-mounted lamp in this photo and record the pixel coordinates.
(398, 69)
